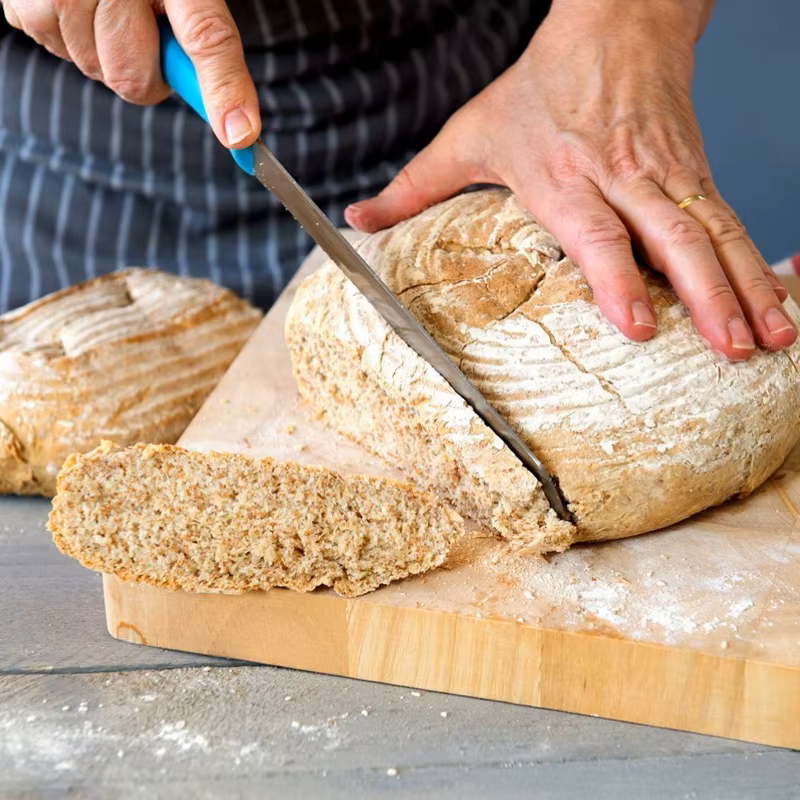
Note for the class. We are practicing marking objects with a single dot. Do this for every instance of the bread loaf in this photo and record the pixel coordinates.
(217, 522)
(639, 435)
(129, 356)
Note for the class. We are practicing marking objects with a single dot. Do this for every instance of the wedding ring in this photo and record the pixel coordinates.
(691, 199)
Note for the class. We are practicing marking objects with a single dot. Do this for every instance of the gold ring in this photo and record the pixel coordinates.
(691, 199)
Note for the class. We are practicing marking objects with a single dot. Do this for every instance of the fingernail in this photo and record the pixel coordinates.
(354, 210)
(643, 315)
(741, 338)
(237, 127)
(777, 322)
(355, 218)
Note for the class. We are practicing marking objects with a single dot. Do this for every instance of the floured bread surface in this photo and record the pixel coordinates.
(219, 522)
(639, 435)
(129, 356)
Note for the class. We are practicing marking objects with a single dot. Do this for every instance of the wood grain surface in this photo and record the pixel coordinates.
(696, 627)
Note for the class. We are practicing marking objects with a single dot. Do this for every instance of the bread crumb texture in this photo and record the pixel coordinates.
(128, 356)
(639, 435)
(222, 522)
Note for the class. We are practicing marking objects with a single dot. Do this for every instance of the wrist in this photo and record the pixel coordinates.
(683, 20)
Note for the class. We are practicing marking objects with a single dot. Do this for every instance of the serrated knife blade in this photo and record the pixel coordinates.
(271, 173)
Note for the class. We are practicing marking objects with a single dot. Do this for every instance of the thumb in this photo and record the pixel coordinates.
(206, 31)
(433, 175)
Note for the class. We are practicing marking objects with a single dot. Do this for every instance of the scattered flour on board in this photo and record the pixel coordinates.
(665, 588)
(665, 600)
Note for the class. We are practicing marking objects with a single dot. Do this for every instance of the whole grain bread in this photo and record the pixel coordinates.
(221, 522)
(128, 356)
(639, 435)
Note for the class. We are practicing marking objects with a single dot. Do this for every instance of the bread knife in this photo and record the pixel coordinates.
(259, 161)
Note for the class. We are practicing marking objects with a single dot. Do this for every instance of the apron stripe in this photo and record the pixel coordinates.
(350, 90)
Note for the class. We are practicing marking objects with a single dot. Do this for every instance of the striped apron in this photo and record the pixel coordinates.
(350, 90)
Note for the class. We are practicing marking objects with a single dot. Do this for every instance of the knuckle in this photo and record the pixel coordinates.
(406, 182)
(775, 283)
(87, 62)
(686, 174)
(56, 51)
(724, 228)
(720, 293)
(131, 87)
(754, 285)
(92, 69)
(624, 162)
(38, 27)
(626, 168)
(599, 232)
(683, 231)
(572, 158)
(207, 33)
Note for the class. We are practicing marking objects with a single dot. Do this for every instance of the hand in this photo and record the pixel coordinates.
(116, 42)
(594, 130)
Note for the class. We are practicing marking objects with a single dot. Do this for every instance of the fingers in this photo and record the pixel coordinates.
(593, 236)
(433, 175)
(712, 266)
(771, 326)
(37, 19)
(117, 41)
(678, 246)
(77, 31)
(208, 34)
(774, 281)
(135, 75)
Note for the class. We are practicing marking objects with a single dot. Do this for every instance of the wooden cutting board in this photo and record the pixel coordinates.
(696, 627)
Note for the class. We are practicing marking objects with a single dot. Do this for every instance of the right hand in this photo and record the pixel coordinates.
(116, 42)
(594, 130)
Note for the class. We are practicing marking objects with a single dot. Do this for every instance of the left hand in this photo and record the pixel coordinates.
(116, 42)
(593, 128)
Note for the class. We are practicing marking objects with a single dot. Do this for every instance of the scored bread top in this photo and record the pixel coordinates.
(128, 356)
(128, 304)
(639, 435)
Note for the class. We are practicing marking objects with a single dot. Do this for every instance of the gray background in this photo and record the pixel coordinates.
(747, 96)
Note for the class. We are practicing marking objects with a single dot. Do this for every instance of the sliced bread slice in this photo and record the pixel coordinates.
(223, 522)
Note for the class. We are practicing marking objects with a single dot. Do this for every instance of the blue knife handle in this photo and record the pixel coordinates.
(179, 73)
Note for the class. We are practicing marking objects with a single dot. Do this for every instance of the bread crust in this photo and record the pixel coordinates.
(129, 356)
(639, 435)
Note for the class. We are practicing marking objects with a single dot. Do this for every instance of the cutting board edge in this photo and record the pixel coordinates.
(525, 664)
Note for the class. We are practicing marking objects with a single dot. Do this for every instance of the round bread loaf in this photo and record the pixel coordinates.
(638, 435)
(127, 357)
